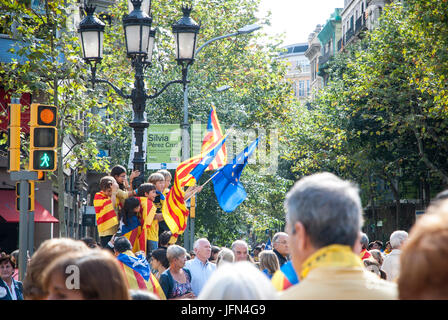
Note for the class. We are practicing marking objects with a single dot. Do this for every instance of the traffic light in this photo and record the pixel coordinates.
(30, 196)
(14, 138)
(43, 138)
(40, 176)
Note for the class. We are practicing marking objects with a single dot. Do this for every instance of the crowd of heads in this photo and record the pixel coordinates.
(324, 220)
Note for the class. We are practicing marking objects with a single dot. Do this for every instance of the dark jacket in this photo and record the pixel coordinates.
(4, 290)
(281, 259)
(167, 282)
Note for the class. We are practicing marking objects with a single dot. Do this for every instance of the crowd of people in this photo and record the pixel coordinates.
(321, 255)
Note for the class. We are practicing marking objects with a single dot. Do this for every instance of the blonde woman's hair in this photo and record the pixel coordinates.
(100, 275)
(47, 252)
(225, 256)
(238, 281)
(268, 260)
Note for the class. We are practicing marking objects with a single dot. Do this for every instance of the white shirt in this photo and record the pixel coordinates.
(200, 273)
(391, 265)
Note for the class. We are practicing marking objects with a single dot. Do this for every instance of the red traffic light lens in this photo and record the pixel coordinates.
(46, 116)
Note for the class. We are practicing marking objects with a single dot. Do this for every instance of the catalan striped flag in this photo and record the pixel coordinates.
(213, 135)
(174, 210)
(138, 274)
(106, 217)
(285, 277)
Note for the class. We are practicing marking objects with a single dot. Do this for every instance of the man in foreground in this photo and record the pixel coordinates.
(324, 219)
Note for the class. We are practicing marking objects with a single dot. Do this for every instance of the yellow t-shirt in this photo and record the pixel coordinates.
(153, 232)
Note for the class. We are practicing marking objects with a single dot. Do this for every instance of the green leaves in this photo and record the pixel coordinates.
(383, 114)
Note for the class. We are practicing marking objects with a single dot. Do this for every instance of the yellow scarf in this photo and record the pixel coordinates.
(331, 256)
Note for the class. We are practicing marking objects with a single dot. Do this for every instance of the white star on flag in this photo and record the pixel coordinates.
(139, 262)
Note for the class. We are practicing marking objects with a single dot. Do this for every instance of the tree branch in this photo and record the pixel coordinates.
(425, 158)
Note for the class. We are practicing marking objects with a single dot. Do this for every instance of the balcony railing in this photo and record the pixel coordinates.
(349, 35)
(324, 58)
(340, 44)
(360, 23)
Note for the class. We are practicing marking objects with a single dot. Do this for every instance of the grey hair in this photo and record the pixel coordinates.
(328, 207)
(196, 243)
(397, 238)
(277, 235)
(174, 251)
(237, 242)
(364, 240)
(238, 281)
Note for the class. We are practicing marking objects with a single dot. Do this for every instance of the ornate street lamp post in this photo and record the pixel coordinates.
(185, 32)
(140, 41)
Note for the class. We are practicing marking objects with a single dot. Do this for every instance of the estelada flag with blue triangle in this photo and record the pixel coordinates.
(138, 274)
(226, 182)
(213, 135)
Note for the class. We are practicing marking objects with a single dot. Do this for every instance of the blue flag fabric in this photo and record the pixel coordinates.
(268, 245)
(289, 272)
(162, 197)
(228, 188)
(138, 263)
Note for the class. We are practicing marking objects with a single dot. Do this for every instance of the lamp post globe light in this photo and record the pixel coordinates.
(140, 41)
(137, 27)
(91, 32)
(145, 6)
(185, 34)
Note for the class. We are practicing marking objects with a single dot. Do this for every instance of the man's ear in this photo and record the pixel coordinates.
(301, 238)
(357, 247)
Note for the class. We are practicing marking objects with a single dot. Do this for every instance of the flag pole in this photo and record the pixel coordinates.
(226, 134)
(211, 178)
(203, 185)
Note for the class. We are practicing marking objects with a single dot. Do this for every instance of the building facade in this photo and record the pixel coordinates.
(329, 36)
(358, 16)
(313, 53)
(298, 69)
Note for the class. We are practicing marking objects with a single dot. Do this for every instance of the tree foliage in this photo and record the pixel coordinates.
(382, 116)
(50, 67)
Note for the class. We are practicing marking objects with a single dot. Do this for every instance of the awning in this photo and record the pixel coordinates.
(9, 213)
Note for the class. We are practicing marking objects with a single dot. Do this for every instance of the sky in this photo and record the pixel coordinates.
(297, 18)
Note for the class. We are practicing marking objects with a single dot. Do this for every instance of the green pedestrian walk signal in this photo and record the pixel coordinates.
(43, 138)
(44, 160)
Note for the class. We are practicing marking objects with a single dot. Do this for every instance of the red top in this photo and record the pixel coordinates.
(365, 254)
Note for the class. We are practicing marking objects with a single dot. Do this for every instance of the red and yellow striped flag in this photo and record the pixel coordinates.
(213, 135)
(136, 269)
(106, 217)
(175, 212)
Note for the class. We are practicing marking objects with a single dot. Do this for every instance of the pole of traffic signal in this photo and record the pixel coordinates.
(23, 228)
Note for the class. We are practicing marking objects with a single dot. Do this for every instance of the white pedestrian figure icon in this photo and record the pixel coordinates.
(45, 161)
